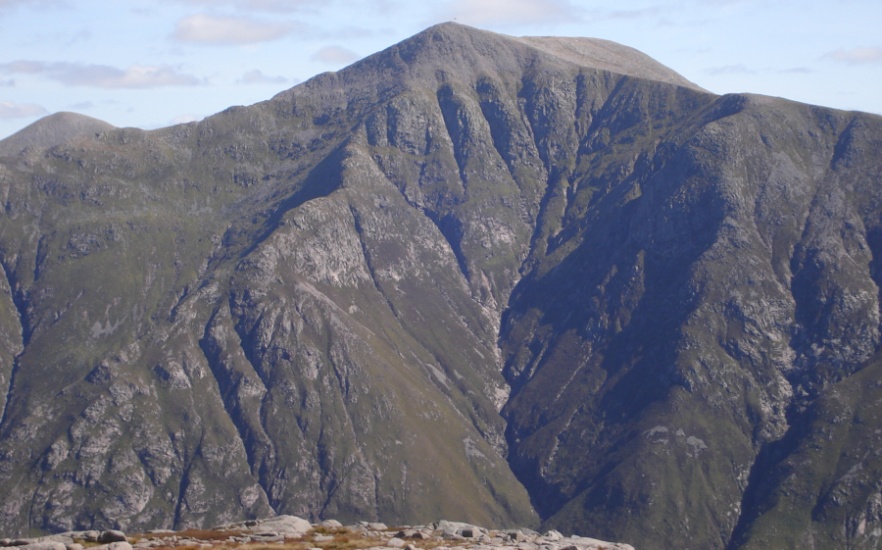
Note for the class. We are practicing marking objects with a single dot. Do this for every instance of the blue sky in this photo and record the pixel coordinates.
(154, 63)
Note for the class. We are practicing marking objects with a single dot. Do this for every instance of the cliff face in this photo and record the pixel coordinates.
(671, 354)
(468, 277)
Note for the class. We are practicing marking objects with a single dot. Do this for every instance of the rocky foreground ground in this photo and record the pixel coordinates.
(293, 533)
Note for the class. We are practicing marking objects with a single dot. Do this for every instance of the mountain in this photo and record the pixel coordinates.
(511, 281)
(52, 130)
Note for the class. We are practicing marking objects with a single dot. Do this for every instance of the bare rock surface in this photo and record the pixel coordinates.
(292, 533)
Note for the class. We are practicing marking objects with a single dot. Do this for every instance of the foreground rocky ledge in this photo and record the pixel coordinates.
(293, 533)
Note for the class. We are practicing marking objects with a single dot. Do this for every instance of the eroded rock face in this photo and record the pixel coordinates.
(468, 277)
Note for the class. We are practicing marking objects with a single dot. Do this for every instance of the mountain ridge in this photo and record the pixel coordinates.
(521, 281)
(594, 53)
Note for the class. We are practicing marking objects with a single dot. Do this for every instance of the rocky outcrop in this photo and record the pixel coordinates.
(294, 532)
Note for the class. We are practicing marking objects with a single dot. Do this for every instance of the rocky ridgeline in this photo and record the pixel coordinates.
(293, 533)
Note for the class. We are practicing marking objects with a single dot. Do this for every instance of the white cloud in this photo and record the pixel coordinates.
(221, 30)
(856, 56)
(136, 76)
(102, 76)
(257, 77)
(9, 83)
(335, 55)
(493, 12)
(10, 109)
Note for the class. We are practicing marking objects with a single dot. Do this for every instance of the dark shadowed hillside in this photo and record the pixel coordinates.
(512, 281)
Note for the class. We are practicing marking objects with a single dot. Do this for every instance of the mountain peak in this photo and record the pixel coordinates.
(593, 53)
(52, 130)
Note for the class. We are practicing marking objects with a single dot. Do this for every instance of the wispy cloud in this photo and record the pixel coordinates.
(8, 83)
(257, 77)
(856, 56)
(102, 76)
(10, 109)
(222, 30)
(335, 55)
(492, 12)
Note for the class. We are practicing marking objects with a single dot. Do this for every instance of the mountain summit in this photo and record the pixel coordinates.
(52, 130)
(473, 51)
(509, 281)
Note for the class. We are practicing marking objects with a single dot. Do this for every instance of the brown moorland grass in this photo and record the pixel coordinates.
(343, 539)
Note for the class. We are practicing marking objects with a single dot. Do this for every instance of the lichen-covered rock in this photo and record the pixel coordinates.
(288, 526)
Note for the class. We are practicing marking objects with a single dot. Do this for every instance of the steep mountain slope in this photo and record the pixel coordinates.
(465, 270)
(669, 352)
